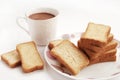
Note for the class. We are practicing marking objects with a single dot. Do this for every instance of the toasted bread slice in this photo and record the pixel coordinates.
(30, 58)
(53, 43)
(70, 56)
(105, 57)
(11, 58)
(96, 34)
(111, 45)
(110, 37)
(93, 48)
(99, 60)
(93, 55)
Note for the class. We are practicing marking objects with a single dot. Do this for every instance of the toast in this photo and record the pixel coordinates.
(93, 47)
(53, 43)
(105, 57)
(30, 58)
(109, 46)
(96, 34)
(70, 56)
(110, 37)
(11, 58)
(99, 60)
(93, 55)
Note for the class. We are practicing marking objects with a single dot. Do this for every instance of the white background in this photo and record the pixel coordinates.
(73, 17)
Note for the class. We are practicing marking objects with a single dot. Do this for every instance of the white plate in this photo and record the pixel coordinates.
(105, 70)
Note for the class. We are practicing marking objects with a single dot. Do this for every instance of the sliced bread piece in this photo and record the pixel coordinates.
(93, 48)
(111, 45)
(30, 58)
(70, 56)
(11, 58)
(53, 43)
(110, 37)
(93, 55)
(99, 60)
(105, 57)
(96, 34)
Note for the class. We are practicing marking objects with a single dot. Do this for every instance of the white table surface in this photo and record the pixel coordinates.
(74, 17)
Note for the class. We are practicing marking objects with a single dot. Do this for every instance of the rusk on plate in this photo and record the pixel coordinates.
(96, 34)
(54, 43)
(92, 54)
(70, 56)
(93, 47)
(105, 57)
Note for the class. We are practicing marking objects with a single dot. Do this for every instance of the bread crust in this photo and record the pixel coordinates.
(111, 45)
(99, 60)
(108, 56)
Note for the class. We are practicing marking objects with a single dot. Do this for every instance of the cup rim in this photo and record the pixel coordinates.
(42, 9)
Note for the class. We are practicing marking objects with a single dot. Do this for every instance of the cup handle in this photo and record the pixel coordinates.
(18, 21)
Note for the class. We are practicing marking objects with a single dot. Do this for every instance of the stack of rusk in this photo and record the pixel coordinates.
(98, 43)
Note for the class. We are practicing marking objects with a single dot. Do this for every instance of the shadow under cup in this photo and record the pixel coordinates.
(42, 31)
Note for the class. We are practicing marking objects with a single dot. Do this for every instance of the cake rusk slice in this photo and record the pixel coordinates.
(109, 46)
(53, 43)
(93, 55)
(30, 58)
(99, 60)
(70, 56)
(105, 57)
(93, 47)
(11, 58)
(96, 34)
(110, 37)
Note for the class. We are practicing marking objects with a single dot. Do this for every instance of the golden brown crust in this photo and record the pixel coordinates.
(99, 60)
(50, 46)
(95, 49)
(110, 37)
(93, 42)
(111, 45)
(107, 56)
(32, 69)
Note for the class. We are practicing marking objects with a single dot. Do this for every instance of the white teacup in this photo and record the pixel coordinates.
(41, 30)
